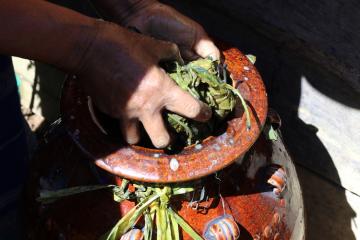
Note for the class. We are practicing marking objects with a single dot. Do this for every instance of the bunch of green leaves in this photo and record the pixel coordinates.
(120, 193)
(206, 80)
(153, 204)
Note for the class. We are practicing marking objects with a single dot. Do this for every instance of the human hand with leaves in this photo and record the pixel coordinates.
(120, 72)
(117, 68)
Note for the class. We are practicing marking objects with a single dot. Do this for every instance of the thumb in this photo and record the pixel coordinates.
(204, 46)
(167, 51)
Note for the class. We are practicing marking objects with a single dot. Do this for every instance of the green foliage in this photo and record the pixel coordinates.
(153, 203)
(205, 80)
(251, 58)
(270, 132)
(52, 196)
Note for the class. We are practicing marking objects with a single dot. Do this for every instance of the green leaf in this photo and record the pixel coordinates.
(158, 224)
(51, 196)
(163, 222)
(202, 80)
(168, 225)
(251, 58)
(174, 228)
(272, 134)
(129, 220)
(184, 225)
(121, 196)
(148, 229)
(243, 103)
(182, 190)
(178, 123)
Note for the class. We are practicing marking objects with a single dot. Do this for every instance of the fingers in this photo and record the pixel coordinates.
(167, 51)
(202, 44)
(188, 54)
(204, 47)
(183, 103)
(130, 130)
(155, 127)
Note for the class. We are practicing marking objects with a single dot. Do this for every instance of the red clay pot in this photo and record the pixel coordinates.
(153, 165)
(241, 191)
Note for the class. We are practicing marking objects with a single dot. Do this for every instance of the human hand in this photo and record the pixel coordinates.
(121, 74)
(164, 22)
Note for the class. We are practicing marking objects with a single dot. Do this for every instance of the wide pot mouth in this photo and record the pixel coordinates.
(155, 165)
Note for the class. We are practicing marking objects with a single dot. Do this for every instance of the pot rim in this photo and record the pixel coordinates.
(154, 165)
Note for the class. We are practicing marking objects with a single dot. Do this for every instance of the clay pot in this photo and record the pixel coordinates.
(237, 197)
(241, 190)
(153, 165)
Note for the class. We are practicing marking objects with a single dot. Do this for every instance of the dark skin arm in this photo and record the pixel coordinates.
(118, 68)
(44, 32)
(162, 22)
(118, 11)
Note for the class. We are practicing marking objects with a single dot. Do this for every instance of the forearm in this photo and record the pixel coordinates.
(119, 10)
(43, 31)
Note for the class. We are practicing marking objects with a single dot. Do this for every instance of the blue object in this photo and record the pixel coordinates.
(18, 80)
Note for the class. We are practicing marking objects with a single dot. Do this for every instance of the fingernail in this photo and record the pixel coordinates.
(132, 140)
(206, 48)
(162, 142)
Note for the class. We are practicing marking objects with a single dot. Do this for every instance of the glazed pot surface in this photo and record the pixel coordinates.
(241, 191)
(153, 165)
